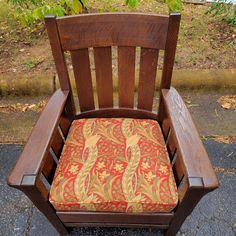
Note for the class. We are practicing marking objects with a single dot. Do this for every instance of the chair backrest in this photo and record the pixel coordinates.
(127, 31)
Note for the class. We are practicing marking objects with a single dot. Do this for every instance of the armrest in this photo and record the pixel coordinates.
(195, 158)
(30, 160)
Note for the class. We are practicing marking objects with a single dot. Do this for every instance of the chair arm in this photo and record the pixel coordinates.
(194, 156)
(38, 144)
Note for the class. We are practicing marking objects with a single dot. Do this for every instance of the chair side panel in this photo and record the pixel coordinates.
(174, 154)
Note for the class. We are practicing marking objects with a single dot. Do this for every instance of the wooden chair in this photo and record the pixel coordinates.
(193, 172)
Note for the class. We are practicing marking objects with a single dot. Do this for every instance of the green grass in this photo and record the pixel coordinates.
(31, 63)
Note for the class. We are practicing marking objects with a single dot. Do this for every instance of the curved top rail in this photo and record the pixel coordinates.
(113, 29)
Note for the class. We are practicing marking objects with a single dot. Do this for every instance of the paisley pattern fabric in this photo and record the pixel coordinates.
(116, 165)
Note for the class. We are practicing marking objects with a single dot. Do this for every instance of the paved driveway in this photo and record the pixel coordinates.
(215, 215)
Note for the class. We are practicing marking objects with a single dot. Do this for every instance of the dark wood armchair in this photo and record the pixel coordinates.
(34, 172)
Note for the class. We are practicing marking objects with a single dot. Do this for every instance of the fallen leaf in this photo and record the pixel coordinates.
(24, 109)
(20, 107)
(225, 170)
(193, 105)
(226, 105)
(225, 139)
(32, 106)
(227, 102)
(42, 104)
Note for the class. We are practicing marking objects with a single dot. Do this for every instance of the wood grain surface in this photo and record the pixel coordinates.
(126, 76)
(82, 72)
(195, 158)
(111, 29)
(38, 144)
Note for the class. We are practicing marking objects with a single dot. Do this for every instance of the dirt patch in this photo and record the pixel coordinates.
(27, 58)
(204, 42)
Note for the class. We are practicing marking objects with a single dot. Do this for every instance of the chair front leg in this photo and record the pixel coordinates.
(190, 191)
(37, 192)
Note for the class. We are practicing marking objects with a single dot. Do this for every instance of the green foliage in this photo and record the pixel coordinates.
(132, 3)
(174, 5)
(30, 11)
(224, 10)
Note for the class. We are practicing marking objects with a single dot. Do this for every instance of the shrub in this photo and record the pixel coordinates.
(30, 11)
(224, 10)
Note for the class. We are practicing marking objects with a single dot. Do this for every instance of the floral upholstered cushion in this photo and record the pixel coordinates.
(116, 165)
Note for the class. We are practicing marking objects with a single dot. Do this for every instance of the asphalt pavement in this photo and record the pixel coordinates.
(215, 215)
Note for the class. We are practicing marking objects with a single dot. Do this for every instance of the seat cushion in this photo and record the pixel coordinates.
(115, 165)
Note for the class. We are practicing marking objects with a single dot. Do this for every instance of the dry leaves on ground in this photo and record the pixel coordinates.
(228, 102)
(225, 170)
(225, 139)
(21, 107)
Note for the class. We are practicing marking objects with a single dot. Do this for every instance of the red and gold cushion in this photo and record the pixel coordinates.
(116, 165)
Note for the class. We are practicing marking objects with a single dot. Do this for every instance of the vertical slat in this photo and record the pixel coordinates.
(57, 144)
(171, 146)
(103, 67)
(59, 59)
(50, 165)
(175, 156)
(183, 187)
(168, 136)
(126, 76)
(169, 56)
(147, 77)
(178, 168)
(45, 182)
(64, 125)
(49, 168)
(165, 127)
(82, 72)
